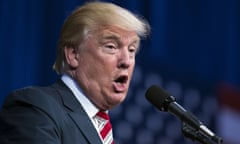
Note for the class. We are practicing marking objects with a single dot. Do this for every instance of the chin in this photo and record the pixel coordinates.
(119, 99)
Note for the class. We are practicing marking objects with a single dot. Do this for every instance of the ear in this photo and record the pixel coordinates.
(71, 55)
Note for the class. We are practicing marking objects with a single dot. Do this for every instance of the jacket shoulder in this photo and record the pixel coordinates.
(41, 97)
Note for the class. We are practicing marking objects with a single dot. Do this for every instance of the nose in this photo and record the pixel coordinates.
(125, 60)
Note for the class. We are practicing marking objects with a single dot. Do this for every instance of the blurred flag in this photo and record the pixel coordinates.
(228, 119)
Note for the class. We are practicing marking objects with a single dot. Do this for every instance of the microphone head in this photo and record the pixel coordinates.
(159, 97)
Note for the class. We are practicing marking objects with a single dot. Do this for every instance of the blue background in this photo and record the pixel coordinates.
(194, 46)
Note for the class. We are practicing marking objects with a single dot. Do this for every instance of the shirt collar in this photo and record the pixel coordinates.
(87, 105)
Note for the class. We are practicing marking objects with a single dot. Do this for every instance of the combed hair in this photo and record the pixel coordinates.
(90, 17)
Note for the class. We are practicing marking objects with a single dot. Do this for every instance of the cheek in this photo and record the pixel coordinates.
(108, 64)
(131, 69)
(98, 69)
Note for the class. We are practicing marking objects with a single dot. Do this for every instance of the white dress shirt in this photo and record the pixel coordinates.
(87, 105)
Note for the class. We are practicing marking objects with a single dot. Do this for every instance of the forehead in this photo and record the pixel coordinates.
(117, 33)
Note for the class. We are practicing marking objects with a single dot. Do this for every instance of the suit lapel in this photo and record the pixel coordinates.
(86, 127)
(77, 114)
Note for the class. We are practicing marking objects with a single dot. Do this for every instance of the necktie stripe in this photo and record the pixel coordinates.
(105, 127)
(103, 115)
(108, 139)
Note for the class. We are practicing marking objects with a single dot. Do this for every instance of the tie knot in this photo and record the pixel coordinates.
(103, 115)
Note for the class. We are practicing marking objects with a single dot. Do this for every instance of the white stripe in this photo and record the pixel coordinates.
(101, 122)
(109, 138)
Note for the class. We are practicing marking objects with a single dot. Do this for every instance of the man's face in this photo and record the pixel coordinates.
(106, 64)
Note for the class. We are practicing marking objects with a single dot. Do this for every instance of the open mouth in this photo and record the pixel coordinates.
(121, 79)
(120, 84)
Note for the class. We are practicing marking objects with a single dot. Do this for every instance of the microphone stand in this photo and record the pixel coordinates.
(196, 135)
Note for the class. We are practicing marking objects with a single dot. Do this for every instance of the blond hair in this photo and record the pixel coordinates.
(89, 17)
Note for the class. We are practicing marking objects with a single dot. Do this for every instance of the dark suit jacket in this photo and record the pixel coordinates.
(45, 115)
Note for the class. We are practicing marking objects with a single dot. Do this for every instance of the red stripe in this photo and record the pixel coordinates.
(103, 115)
(107, 128)
(229, 96)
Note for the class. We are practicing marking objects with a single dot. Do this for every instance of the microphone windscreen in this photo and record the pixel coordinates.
(157, 96)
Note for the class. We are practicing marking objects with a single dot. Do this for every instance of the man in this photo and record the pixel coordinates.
(95, 58)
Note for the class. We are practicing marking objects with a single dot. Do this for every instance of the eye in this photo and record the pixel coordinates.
(132, 49)
(110, 48)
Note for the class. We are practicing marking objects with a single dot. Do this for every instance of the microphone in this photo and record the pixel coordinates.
(165, 102)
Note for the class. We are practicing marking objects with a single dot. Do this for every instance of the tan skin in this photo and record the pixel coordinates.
(104, 66)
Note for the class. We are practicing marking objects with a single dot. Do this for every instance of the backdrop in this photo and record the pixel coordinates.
(194, 47)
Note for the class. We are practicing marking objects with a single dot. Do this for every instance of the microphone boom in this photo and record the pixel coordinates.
(165, 102)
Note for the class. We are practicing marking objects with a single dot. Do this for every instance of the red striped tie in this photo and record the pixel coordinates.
(105, 127)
